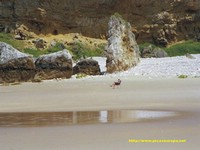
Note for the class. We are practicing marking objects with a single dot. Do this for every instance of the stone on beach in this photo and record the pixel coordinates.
(149, 51)
(87, 66)
(55, 65)
(122, 50)
(15, 66)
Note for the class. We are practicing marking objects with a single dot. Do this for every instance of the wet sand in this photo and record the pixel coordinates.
(178, 95)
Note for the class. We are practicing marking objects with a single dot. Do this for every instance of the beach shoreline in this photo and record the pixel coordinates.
(137, 92)
(96, 94)
(163, 94)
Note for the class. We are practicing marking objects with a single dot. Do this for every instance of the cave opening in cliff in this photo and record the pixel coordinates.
(55, 32)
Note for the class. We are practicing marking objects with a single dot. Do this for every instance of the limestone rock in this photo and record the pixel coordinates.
(55, 65)
(122, 50)
(148, 52)
(14, 65)
(22, 32)
(87, 66)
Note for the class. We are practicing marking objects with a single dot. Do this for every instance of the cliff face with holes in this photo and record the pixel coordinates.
(158, 21)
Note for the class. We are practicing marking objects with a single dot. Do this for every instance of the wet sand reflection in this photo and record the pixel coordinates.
(26, 119)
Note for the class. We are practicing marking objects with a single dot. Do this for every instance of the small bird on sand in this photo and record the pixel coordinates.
(116, 84)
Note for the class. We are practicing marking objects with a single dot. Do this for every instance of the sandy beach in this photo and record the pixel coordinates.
(100, 75)
(96, 94)
(136, 93)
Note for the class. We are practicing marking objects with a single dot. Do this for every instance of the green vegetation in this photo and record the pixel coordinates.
(81, 75)
(58, 47)
(9, 39)
(182, 76)
(38, 52)
(180, 49)
(80, 50)
(34, 52)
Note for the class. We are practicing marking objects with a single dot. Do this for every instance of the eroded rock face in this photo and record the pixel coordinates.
(90, 18)
(122, 50)
(87, 66)
(55, 65)
(14, 65)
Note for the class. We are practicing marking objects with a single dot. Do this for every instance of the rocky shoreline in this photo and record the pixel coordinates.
(122, 59)
(20, 67)
(60, 65)
(122, 53)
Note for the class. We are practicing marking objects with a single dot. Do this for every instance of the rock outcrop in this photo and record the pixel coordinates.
(55, 65)
(122, 50)
(159, 21)
(148, 52)
(87, 66)
(14, 65)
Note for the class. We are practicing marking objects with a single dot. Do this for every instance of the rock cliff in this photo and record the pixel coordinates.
(158, 21)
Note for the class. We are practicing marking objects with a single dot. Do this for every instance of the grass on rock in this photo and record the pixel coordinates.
(9, 39)
(80, 50)
(38, 52)
(77, 49)
(83, 50)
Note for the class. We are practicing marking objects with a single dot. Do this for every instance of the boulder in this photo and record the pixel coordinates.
(122, 50)
(149, 51)
(15, 66)
(159, 53)
(55, 65)
(87, 66)
(40, 43)
(189, 56)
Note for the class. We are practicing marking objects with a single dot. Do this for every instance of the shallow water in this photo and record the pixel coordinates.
(26, 119)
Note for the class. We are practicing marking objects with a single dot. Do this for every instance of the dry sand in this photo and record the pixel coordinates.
(181, 95)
